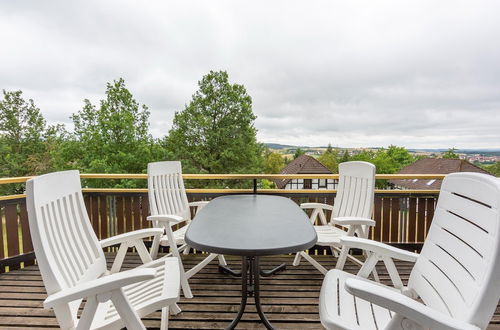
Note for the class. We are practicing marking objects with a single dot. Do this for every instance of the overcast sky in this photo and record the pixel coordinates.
(419, 74)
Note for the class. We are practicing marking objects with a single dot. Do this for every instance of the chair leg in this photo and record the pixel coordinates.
(313, 262)
(222, 260)
(186, 250)
(296, 261)
(164, 318)
(342, 258)
(155, 247)
(199, 266)
(125, 310)
(186, 290)
(88, 313)
(175, 309)
(335, 253)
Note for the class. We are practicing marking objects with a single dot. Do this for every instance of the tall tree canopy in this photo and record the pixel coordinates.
(274, 162)
(26, 141)
(114, 136)
(298, 152)
(451, 154)
(215, 132)
(330, 158)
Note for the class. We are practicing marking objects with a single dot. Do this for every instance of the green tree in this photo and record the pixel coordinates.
(493, 169)
(112, 137)
(298, 152)
(345, 157)
(329, 158)
(273, 163)
(26, 141)
(450, 154)
(387, 161)
(215, 132)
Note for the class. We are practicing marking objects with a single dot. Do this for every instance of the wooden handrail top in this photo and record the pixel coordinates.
(240, 191)
(236, 176)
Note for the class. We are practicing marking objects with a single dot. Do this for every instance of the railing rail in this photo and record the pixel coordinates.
(402, 216)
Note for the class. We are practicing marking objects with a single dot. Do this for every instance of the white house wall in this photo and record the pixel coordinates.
(326, 184)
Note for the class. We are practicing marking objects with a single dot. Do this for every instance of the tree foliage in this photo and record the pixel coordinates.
(298, 152)
(273, 162)
(215, 132)
(330, 158)
(450, 154)
(112, 137)
(493, 169)
(26, 141)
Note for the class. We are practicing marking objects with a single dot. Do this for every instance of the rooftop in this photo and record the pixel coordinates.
(433, 166)
(303, 164)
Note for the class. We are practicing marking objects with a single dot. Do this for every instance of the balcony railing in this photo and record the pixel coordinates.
(402, 216)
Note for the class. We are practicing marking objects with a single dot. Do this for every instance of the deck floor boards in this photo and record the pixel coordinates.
(290, 299)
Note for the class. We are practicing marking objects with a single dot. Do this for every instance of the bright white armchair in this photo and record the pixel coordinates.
(352, 210)
(73, 265)
(169, 206)
(455, 277)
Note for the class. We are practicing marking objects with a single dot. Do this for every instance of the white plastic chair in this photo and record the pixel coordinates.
(352, 210)
(456, 277)
(169, 206)
(73, 265)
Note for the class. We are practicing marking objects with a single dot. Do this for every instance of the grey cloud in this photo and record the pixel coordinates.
(413, 73)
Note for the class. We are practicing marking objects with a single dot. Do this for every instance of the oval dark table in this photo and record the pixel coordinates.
(251, 226)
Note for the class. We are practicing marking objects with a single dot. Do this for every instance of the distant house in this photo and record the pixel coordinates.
(306, 165)
(433, 166)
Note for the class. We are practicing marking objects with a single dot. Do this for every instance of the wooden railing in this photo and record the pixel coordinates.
(402, 216)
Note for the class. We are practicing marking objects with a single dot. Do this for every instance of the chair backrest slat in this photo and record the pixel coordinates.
(355, 190)
(459, 266)
(166, 189)
(66, 247)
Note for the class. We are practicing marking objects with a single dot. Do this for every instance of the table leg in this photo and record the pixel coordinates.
(227, 270)
(266, 273)
(244, 293)
(256, 272)
(250, 286)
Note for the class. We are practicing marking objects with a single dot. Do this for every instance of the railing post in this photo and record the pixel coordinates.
(255, 186)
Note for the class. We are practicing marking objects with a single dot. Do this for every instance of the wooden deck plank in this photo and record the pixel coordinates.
(290, 299)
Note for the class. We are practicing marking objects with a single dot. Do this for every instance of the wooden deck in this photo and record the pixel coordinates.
(290, 298)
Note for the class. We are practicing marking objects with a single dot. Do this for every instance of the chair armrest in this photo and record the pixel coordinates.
(346, 221)
(133, 235)
(166, 218)
(403, 305)
(98, 286)
(198, 203)
(316, 206)
(379, 248)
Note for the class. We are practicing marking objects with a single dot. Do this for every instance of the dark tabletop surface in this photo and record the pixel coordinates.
(251, 225)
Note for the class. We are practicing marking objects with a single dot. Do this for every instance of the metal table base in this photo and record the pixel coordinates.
(250, 286)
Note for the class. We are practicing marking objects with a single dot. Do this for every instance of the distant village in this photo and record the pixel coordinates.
(428, 162)
(477, 157)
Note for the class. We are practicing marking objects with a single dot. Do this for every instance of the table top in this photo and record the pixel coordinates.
(251, 225)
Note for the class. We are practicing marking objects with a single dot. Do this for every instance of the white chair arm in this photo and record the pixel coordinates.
(379, 248)
(198, 203)
(346, 221)
(99, 286)
(167, 218)
(131, 236)
(397, 302)
(316, 206)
